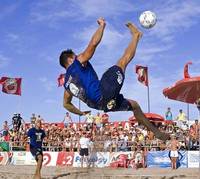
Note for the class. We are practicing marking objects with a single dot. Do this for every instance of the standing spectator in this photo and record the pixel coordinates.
(14, 121)
(5, 131)
(168, 114)
(90, 121)
(105, 118)
(19, 121)
(67, 120)
(180, 118)
(84, 143)
(33, 119)
(37, 135)
(89, 118)
(98, 120)
(40, 118)
(196, 127)
(173, 146)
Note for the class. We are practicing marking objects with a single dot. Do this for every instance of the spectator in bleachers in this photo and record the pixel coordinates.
(180, 118)
(120, 136)
(5, 131)
(98, 120)
(33, 119)
(168, 114)
(19, 121)
(15, 121)
(105, 118)
(67, 120)
(40, 118)
(196, 127)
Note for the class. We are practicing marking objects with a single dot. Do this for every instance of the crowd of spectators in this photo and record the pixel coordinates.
(105, 135)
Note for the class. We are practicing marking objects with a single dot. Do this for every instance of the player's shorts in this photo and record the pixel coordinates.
(173, 153)
(84, 152)
(35, 152)
(111, 84)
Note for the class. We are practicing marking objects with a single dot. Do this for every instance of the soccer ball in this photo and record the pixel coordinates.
(147, 19)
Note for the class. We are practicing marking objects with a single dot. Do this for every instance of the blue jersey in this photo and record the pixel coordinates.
(82, 82)
(36, 137)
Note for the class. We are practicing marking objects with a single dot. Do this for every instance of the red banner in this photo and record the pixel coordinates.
(11, 85)
(65, 159)
(142, 74)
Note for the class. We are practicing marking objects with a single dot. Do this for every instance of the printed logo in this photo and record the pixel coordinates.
(119, 77)
(11, 85)
(74, 89)
(111, 104)
(46, 159)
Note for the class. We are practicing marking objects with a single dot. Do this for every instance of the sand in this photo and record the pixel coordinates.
(26, 172)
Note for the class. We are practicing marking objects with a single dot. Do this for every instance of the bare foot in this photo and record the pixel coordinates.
(37, 176)
(134, 30)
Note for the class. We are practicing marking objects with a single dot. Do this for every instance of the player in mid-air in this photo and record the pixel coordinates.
(36, 135)
(82, 81)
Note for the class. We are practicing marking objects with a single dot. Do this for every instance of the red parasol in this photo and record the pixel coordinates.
(186, 90)
(153, 117)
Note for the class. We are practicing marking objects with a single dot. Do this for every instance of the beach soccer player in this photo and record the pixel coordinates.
(82, 81)
(36, 135)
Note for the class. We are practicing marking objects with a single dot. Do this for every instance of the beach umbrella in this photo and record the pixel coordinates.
(186, 90)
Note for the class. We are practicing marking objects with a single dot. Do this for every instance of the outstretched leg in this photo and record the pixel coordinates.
(140, 117)
(131, 49)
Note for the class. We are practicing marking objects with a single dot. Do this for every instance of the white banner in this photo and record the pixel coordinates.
(50, 158)
(77, 160)
(193, 159)
(18, 158)
(100, 159)
(30, 160)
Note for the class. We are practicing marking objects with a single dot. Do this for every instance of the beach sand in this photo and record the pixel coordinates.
(26, 172)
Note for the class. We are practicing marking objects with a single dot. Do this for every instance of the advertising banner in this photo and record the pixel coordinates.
(18, 158)
(5, 158)
(65, 159)
(161, 159)
(193, 159)
(121, 159)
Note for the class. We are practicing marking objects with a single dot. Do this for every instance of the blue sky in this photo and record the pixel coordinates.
(33, 33)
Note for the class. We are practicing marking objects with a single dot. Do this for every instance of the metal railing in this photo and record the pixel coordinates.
(99, 146)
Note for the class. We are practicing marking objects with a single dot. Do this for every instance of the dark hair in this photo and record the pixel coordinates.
(64, 55)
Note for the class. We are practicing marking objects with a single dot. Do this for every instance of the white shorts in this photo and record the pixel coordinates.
(173, 153)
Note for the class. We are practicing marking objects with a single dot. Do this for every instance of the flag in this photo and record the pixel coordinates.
(142, 74)
(11, 85)
(186, 74)
(61, 80)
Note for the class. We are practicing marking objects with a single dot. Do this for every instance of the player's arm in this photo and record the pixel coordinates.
(67, 103)
(96, 38)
